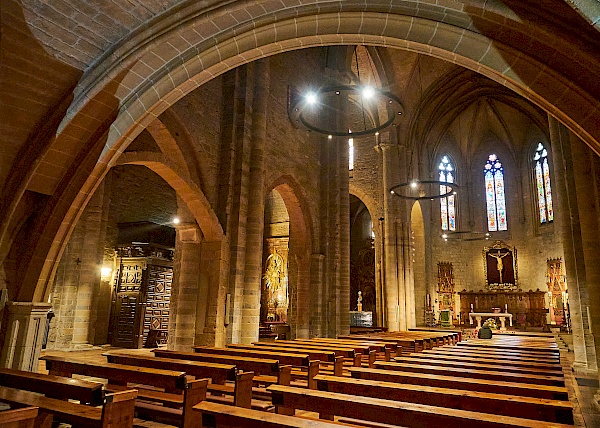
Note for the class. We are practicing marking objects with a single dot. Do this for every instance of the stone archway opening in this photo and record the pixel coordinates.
(363, 301)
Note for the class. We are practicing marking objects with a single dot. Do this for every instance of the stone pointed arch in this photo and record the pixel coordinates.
(188, 191)
(301, 243)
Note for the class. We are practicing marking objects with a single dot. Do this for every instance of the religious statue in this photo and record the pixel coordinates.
(500, 265)
(359, 303)
(274, 272)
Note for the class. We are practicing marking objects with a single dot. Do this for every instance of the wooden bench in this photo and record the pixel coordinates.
(329, 404)
(498, 356)
(177, 394)
(385, 350)
(497, 374)
(300, 361)
(446, 356)
(266, 371)
(116, 411)
(241, 391)
(216, 415)
(86, 392)
(406, 345)
(468, 384)
(18, 418)
(451, 362)
(499, 404)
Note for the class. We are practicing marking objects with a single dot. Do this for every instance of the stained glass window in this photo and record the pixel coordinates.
(542, 184)
(448, 209)
(351, 154)
(493, 173)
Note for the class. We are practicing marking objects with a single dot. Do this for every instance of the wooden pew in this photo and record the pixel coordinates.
(18, 418)
(84, 391)
(475, 358)
(451, 362)
(219, 373)
(297, 360)
(455, 334)
(383, 349)
(499, 404)
(266, 370)
(116, 412)
(215, 415)
(329, 404)
(468, 384)
(178, 389)
(497, 356)
(497, 374)
(406, 345)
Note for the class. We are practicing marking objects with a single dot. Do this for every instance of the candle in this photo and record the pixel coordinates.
(471, 307)
(505, 307)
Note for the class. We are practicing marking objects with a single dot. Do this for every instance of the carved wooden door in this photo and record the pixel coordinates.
(158, 296)
(128, 304)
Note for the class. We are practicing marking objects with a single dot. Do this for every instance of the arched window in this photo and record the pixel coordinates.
(351, 154)
(494, 194)
(541, 170)
(448, 209)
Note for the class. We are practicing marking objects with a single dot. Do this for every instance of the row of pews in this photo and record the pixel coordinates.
(506, 381)
(410, 379)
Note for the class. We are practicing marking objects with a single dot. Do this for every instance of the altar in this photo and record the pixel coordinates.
(501, 315)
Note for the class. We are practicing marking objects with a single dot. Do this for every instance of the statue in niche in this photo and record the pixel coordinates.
(359, 302)
(276, 287)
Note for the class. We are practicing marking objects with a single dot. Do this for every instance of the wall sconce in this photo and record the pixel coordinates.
(105, 273)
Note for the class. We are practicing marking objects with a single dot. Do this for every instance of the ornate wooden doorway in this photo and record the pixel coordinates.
(141, 295)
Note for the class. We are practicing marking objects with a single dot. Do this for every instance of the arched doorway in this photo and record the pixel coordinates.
(363, 302)
(274, 301)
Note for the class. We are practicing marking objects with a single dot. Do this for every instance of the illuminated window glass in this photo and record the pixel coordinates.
(494, 194)
(447, 208)
(351, 154)
(542, 184)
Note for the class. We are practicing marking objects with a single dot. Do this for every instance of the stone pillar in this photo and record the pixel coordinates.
(212, 292)
(184, 302)
(395, 313)
(317, 266)
(586, 170)
(25, 329)
(234, 171)
(256, 204)
(568, 213)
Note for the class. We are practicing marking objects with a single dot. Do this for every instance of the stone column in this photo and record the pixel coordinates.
(317, 266)
(395, 313)
(586, 170)
(184, 302)
(256, 204)
(25, 329)
(212, 291)
(568, 213)
(233, 197)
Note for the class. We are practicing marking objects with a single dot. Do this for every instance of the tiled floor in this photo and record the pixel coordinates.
(581, 389)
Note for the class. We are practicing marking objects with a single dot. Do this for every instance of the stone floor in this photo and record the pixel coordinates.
(581, 389)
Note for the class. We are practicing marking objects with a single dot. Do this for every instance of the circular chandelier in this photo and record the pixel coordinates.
(370, 110)
(417, 190)
(465, 235)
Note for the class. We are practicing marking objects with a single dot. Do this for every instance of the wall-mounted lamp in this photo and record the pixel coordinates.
(105, 273)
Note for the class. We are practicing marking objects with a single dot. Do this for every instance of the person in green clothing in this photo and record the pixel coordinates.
(485, 332)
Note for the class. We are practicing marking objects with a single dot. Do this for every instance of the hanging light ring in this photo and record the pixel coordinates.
(378, 100)
(417, 190)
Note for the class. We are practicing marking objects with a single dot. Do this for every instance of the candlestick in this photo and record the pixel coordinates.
(505, 307)
(471, 307)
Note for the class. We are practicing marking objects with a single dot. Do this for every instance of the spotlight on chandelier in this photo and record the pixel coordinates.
(418, 190)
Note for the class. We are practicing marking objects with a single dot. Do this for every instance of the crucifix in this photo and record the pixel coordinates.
(500, 265)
